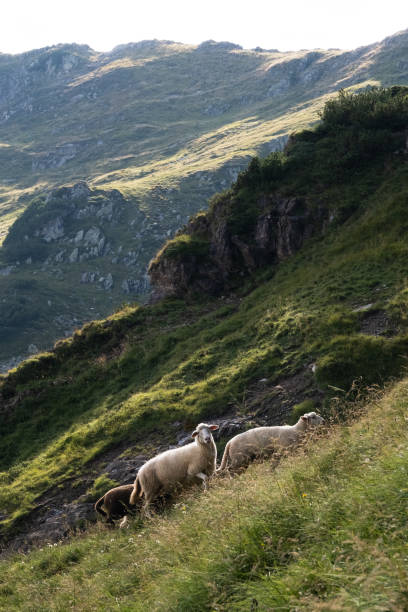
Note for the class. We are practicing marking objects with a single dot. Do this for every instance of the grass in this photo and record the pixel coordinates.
(325, 529)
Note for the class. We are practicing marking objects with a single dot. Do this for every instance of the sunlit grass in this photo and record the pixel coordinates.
(325, 528)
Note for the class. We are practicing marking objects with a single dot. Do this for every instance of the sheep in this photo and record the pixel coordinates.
(194, 462)
(115, 504)
(254, 442)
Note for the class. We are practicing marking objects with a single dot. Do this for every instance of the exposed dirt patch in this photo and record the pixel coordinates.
(274, 403)
(377, 323)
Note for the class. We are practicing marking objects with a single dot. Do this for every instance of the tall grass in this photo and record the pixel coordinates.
(323, 529)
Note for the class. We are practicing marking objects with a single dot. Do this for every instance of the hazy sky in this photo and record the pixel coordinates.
(282, 24)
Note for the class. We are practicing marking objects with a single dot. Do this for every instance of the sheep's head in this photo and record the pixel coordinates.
(202, 433)
(311, 419)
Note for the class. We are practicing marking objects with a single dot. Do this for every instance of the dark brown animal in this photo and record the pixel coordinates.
(115, 504)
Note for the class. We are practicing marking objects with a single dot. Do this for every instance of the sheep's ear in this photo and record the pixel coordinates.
(194, 434)
(304, 417)
(213, 427)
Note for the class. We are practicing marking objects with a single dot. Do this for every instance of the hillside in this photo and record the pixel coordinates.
(167, 125)
(322, 327)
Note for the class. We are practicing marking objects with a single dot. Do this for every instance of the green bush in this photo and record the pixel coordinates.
(371, 358)
(183, 246)
(355, 129)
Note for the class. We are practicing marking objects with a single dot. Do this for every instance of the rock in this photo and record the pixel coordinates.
(106, 212)
(6, 271)
(279, 230)
(53, 230)
(231, 427)
(93, 236)
(130, 285)
(124, 469)
(74, 255)
(108, 282)
(88, 277)
(59, 258)
(56, 157)
(362, 308)
(101, 245)
(5, 366)
(183, 439)
(79, 236)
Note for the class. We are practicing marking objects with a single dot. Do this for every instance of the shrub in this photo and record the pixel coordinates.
(185, 245)
(374, 359)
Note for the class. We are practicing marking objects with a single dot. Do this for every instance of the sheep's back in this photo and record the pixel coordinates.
(172, 465)
(260, 438)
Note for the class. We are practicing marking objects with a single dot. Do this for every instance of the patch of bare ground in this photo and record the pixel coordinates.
(377, 323)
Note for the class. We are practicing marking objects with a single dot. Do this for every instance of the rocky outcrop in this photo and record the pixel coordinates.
(279, 228)
(77, 224)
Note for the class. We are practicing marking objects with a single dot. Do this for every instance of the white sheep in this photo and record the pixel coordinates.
(195, 462)
(262, 440)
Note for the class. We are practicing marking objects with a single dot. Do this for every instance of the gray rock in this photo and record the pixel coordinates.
(79, 236)
(101, 246)
(88, 277)
(93, 236)
(130, 285)
(6, 271)
(53, 230)
(5, 366)
(362, 308)
(59, 258)
(124, 469)
(106, 212)
(74, 255)
(108, 282)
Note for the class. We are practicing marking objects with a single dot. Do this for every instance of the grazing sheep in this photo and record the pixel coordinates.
(254, 442)
(115, 503)
(194, 462)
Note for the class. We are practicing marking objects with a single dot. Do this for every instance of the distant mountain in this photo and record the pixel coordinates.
(160, 125)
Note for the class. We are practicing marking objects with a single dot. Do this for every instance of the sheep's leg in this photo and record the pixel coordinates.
(203, 478)
(146, 511)
(149, 498)
(124, 522)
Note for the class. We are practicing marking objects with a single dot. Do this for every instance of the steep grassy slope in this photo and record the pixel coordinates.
(339, 303)
(335, 314)
(325, 530)
(167, 124)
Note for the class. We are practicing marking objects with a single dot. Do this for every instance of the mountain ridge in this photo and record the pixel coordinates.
(119, 122)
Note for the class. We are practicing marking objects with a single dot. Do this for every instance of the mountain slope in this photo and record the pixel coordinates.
(325, 529)
(316, 329)
(331, 316)
(168, 125)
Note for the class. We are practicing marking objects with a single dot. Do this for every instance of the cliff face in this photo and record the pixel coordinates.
(279, 228)
(282, 200)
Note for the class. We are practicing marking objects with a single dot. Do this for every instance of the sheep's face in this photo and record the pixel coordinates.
(312, 419)
(202, 433)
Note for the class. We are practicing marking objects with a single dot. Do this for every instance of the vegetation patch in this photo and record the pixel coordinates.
(185, 246)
